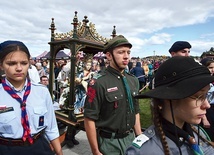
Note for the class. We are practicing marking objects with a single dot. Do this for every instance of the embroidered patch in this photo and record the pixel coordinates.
(112, 89)
(91, 93)
(2, 107)
(6, 109)
(41, 120)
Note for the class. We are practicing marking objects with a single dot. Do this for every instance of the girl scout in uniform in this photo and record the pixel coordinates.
(26, 110)
(178, 105)
(208, 121)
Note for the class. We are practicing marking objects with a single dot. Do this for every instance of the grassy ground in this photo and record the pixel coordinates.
(145, 114)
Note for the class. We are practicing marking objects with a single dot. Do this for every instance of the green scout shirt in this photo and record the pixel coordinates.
(107, 104)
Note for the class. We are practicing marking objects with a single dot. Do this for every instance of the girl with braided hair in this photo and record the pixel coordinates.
(178, 105)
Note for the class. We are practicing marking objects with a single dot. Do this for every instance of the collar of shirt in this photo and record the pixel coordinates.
(114, 71)
(15, 90)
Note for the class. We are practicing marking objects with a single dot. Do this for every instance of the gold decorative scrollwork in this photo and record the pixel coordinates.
(83, 31)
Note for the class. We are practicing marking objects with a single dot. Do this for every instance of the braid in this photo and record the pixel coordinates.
(157, 122)
(202, 138)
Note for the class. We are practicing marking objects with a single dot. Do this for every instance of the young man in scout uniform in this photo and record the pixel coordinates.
(111, 113)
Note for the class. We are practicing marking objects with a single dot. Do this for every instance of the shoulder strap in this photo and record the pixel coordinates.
(140, 140)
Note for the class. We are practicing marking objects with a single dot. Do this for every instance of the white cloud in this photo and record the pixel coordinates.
(29, 21)
(201, 46)
(158, 39)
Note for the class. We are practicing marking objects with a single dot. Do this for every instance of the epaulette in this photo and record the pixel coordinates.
(140, 140)
(144, 137)
(98, 75)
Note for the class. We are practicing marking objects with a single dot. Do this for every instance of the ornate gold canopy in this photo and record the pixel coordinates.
(83, 36)
(83, 31)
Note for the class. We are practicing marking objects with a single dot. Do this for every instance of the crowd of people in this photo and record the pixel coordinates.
(107, 92)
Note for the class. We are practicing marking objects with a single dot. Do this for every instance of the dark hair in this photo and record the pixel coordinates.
(101, 61)
(44, 76)
(130, 65)
(157, 119)
(206, 61)
(11, 46)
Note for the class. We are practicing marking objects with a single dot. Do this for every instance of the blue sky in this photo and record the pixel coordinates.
(150, 25)
(191, 33)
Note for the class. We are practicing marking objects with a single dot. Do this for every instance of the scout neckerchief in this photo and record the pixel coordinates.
(24, 117)
(186, 133)
(128, 92)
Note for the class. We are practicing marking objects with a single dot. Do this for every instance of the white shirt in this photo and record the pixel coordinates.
(33, 74)
(39, 106)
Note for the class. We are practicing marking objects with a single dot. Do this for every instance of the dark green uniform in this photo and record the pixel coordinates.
(107, 103)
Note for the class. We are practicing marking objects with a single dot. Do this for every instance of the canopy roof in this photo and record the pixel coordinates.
(83, 35)
(60, 55)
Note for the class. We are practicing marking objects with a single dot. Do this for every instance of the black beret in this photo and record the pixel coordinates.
(10, 42)
(179, 45)
(115, 42)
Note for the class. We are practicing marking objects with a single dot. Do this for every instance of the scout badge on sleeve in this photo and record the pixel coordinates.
(91, 94)
(41, 120)
(139, 140)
